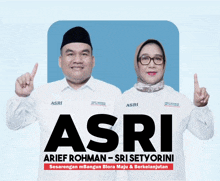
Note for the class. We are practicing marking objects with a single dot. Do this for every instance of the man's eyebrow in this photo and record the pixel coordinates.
(86, 50)
(68, 50)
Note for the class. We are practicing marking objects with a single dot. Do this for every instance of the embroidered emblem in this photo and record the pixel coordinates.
(95, 103)
(56, 103)
(171, 104)
(132, 105)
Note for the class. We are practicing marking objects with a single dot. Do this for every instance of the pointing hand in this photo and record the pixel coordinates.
(24, 84)
(201, 97)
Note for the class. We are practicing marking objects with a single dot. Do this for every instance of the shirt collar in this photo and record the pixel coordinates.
(89, 84)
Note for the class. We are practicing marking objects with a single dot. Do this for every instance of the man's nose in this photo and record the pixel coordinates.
(77, 58)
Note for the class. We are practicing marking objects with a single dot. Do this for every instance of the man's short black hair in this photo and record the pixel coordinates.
(76, 35)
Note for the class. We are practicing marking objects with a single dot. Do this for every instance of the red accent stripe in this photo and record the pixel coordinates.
(112, 166)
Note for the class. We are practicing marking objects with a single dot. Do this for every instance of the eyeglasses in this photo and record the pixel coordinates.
(145, 60)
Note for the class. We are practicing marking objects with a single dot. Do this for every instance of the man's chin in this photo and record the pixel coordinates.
(77, 80)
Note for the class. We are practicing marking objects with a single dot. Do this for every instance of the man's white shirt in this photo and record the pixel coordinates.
(48, 102)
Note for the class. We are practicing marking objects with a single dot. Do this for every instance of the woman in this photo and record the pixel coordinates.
(152, 98)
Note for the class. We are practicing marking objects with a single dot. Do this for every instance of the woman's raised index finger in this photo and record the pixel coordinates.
(196, 83)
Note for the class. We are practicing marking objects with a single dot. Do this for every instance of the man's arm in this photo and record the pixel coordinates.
(20, 108)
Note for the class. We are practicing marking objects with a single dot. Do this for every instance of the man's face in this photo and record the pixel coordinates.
(77, 62)
(151, 73)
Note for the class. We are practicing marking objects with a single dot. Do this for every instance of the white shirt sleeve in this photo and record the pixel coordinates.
(200, 123)
(20, 112)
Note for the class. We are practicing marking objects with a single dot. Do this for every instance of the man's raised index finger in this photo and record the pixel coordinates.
(34, 71)
(196, 83)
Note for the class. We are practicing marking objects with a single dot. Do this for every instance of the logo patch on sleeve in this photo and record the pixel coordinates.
(132, 105)
(56, 103)
(171, 104)
(95, 103)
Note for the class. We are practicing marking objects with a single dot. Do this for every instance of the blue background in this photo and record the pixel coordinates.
(114, 44)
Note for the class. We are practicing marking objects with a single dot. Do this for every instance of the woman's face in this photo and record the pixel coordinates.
(151, 73)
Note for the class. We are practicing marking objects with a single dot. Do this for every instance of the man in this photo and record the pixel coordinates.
(151, 97)
(78, 95)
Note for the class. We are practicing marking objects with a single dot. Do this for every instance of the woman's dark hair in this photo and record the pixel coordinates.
(153, 42)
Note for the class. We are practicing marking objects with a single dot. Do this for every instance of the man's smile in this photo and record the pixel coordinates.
(77, 67)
